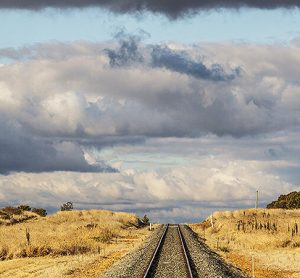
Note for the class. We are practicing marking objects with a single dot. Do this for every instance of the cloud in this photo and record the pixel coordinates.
(70, 94)
(131, 53)
(178, 193)
(21, 152)
(106, 101)
(168, 139)
(170, 8)
(180, 62)
(128, 51)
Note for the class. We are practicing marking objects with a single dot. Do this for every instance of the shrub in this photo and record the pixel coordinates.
(73, 249)
(13, 221)
(12, 210)
(145, 220)
(4, 215)
(24, 207)
(67, 206)
(289, 201)
(286, 243)
(3, 253)
(296, 244)
(40, 211)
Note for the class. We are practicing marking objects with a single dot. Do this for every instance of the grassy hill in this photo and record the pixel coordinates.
(272, 236)
(66, 244)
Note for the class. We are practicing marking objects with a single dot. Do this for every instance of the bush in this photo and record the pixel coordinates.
(24, 207)
(289, 201)
(67, 206)
(12, 210)
(145, 220)
(4, 215)
(40, 211)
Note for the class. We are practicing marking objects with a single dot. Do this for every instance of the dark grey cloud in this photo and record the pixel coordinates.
(170, 8)
(130, 52)
(22, 152)
(180, 62)
(127, 52)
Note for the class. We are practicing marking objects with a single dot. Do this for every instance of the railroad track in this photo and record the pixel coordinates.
(170, 258)
(164, 255)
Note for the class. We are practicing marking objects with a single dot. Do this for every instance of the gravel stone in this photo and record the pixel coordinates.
(170, 262)
(135, 263)
(205, 262)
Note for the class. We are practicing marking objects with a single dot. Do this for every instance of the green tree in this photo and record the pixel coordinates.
(25, 207)
(145, 220)
(289, 201)
(40, 211)
(67, 206)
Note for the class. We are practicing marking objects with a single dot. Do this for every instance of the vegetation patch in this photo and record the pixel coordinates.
(65, 233)
(289, 201)
(271, 236)
(15, 215)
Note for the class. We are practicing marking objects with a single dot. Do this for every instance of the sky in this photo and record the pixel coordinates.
(174, 109)
(23, 27)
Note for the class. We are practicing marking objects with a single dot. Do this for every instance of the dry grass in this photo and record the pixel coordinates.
(79, 266)
(15, 216)
(94, 238)
(65, 233)
(268, 235)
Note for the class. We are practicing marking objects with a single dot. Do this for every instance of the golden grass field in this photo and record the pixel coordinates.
(67, 244)
(269, 235)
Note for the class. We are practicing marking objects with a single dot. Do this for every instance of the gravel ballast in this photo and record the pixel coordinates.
(135, 263)
(171, 263)
(205, 262)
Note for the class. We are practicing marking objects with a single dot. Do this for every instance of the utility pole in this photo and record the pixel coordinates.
(256, 202)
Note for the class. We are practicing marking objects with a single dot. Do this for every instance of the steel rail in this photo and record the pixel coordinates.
(187, 261)
(146, 275)
(159, 245)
